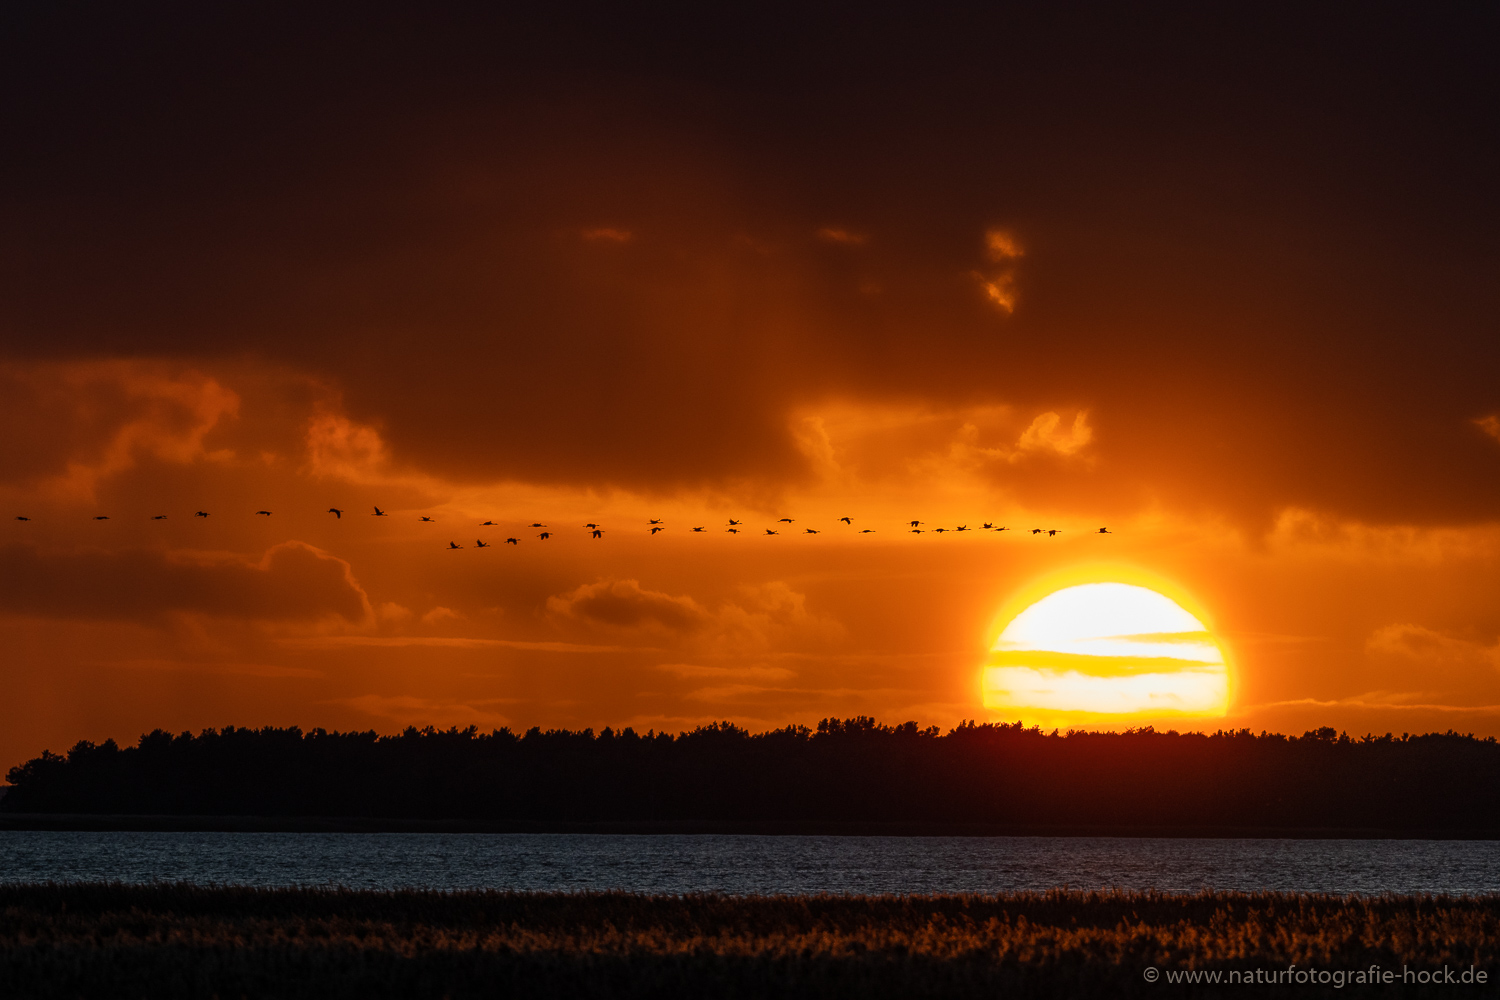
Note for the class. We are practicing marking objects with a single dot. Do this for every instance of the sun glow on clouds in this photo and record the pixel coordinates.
(1105, 653)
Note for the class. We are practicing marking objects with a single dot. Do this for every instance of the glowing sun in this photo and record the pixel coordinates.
(1104, 653)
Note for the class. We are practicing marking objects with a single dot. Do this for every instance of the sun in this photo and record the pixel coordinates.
(1105, 654)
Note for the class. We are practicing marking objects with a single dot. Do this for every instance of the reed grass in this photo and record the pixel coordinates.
(178, 940)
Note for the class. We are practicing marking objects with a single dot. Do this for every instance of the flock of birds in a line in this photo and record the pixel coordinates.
(657, 525)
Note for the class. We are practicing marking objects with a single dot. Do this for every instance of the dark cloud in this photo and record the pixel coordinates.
(626, 604)
(293, 582)
(1259, 241)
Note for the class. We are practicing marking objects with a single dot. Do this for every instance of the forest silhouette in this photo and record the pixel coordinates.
(852, 771)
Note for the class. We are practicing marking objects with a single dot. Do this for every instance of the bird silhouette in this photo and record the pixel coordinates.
(379, 513)
(810, 531)
(847, 520)
(1053, 531)
(486, 524)
(734, 523)
(454, 545)
(102, 517)
(770, 532)
(986, 526)
(654, 520)
(595, 527)
(598, 532)
(538, 525)
(784, 520)
(940, 530)
(1037, 531)
(159, 517)
(201, 513)
(264, 513)
(700, 529)
(733, 531)
(480, 543)
(424, 519)
(962, 527)
(20, 518)
(1105, 531)
(868, 531)
(916, 524)
(916, 531)
(1002, 529)
(655, 530)
(545, 535)
(512, 541)
(336, 513)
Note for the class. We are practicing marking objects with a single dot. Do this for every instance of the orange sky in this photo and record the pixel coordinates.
(1223, 283)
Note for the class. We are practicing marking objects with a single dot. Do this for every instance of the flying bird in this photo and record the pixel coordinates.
(595, 527)
(940, 530)
(159, 517)
(916, 531)
(486, 524)
(102, 517)
(379, 513)
(962, 527)
(700, 529)
(1053, 531)
(734, 523)
(868, 531)
(538, 525)
(20, 518)
(454, 545)
(770, 532)
(654, 520)
(655, 530)
(480, 543)
(424, 519)
(265, 513)
(1105, 531)
(598, 532)
(784, 520)
(201, 513)
(733, 531)
(847, 520)
(336, 513)
(1002, 529)
(545, 535)
(811, 531)
(916, 524)
(1037, 531)
(986, 526)
(512, 541)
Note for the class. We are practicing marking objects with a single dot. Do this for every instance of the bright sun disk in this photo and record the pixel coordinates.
(1103, 653)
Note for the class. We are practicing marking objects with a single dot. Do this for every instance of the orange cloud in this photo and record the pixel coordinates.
(411, 710)
(999, 284)
(835, 234)
(291, 582)
(1435, 651)
(339, 447)
(72, 425)
(624, 604)
(608, 235)
(1046, 433)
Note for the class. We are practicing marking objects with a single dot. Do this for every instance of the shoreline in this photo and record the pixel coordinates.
(160, 823)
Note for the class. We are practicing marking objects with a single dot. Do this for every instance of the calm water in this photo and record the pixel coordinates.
(752, 864)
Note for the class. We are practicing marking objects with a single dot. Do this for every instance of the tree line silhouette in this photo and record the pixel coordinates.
(843, 771)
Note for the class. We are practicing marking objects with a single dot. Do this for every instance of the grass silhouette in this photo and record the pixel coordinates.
(177, 940)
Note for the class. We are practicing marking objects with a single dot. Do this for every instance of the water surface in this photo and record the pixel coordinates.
(677, 863)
